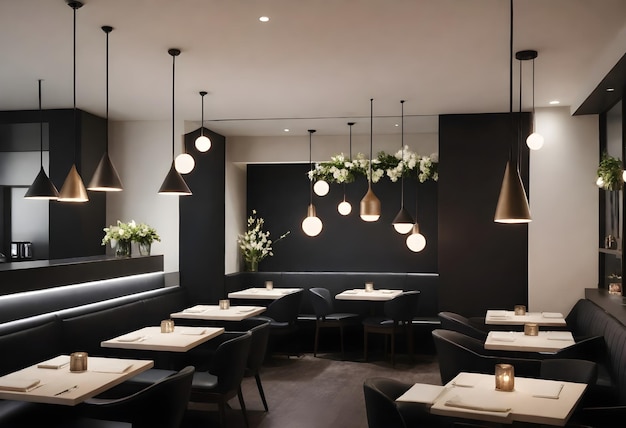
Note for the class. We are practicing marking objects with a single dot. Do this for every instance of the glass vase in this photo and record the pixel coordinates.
(123, 248)
(144, 248)
(252, 265)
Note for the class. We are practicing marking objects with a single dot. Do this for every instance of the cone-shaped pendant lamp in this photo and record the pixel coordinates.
(106, 178)
(512, 203)
(403, 222)
(174, 184)
(370, 204)
(203, 143)
(42, 187)
(344, 206)
(311, 225)
(73, 189)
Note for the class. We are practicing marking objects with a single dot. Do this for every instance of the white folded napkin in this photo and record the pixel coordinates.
(548, 390)
(497, 314)
(132, 338)
(456, 401)
(194, 310)
(421, 393)
(194, 332)
(349, 292)
(108, 365)
(466, 380)
(560, 335)
(246, 309)
(502, 336)
(55, 363)
(552, 315)
(387, 291)
(17, 384)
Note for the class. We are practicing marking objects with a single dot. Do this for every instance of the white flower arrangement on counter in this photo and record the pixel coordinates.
(130, 232)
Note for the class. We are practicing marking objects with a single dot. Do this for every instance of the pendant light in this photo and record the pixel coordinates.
(106, 178)
(174, 184)
(535, 140)
(370, 204)
(73, 189)
(403, 222)
(42, 187)
(321, 187)
(311, 225)
(203, 143)
(512, 204)
(416, 242)
(344, 206)
(184, 162)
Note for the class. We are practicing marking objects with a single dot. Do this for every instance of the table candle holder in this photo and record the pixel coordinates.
(167, 326)
(505, 377)
(369, 287)
(78, 362)
(531, 329)
(520, 310)
(269, 285)
(224, 304)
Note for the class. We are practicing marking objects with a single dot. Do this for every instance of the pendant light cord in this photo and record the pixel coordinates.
(202, 94)
(40, 128)
(311, 131)
(173, 83)
(350, 157)
(106, 132)
(533, 94)
(371, 138)
(74, 89)
(402, 157)
(519, 121)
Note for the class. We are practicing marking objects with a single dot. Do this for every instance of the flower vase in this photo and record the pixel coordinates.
(252, 265)
(123, 248)
(144, 248)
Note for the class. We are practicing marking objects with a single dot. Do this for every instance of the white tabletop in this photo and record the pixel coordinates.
(182, 339)
(545, 341)
(377, 295)
(554, 319)
(527, 403)
(262, 293)
(102, 374)
(213, 312)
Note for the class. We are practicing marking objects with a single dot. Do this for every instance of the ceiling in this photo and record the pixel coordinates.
(315, 64)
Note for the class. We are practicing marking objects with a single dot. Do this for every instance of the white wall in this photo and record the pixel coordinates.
(142, 153)
(563, 236)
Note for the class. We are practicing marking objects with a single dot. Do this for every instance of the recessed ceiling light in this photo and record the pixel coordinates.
(555, 102)
(610, 89)
(396, 125)
(286, 130)
(264, 18)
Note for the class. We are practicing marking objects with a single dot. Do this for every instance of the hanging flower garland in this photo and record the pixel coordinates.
(404, 162)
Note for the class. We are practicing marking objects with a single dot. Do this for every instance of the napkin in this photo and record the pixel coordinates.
(17, 384)
(560, 335)
(349, 292)
(247, 310)
(497, 314)
(502, 336)
(129, 338)
(548, 390)
(194, 332)
(194, 310)
(55, 363)
(552, 315)
(456, 401)
(421, 393)
(108, 365)
(467, 380)
(386, 291)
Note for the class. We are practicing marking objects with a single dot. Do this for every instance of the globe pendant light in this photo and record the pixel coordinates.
(321, 187)
(174, 184)
(403, 222)
(535, 140)
(311, 225)
(73, 189)
(512, 204)
(416, 242)
(203, 143)
(184, 162)
(370, 204)
(344, 206)
(42, 187)
(106, 178)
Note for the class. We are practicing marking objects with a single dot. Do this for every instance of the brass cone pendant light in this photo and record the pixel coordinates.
(311, 225)
(174, 184)
(370, 204)
(106, 178)
(512, 204)
(42, 187)
(73, 189)
(403, 222)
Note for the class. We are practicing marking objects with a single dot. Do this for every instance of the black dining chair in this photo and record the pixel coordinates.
(326, 316)
(282, 314)
(399, 313)
(457, 322)
(260, 330)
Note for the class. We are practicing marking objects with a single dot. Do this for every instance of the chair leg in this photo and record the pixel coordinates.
(222, 412)
(343, 354)
(317, 334)
(257, 376)
(393, 347)
(243, 406)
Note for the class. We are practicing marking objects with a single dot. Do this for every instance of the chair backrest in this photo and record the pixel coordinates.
(380, 406)
(286, 308)
(229, 361)
(258, 346)
(569, 370)
(322, 301)
(457, 322)
(403, 307)
(161, 404)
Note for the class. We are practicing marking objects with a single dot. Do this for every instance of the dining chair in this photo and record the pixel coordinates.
(260, 330)
(398, 315)
(223, 379)
(326, 316)
(457, 322)
(282, 314)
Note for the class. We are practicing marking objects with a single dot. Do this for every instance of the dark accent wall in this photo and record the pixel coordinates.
(280, 194)
(482, 264)
(201, 258)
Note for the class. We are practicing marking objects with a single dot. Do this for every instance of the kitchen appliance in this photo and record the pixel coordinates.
(21, 250)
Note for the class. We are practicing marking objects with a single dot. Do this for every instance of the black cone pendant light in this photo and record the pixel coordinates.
(42, 187)
(403, 222)
(73, 189)
(311, 225)
(106, 178)
(174, 184)
(370, 204)
(512, 204)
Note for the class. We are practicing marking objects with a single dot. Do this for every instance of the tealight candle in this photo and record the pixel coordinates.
(224, 304)
(531, 329)
(369, 286)
(505, 377)
(167, 326)
(520, 310)
(78, 362)
(269, 285)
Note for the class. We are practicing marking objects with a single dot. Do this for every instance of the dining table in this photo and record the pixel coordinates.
(504, 317)
(474, 396)
(52, 382)
(376, 295)
(261, 293)
(182, 339)
(215, 313)
(544, 341)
